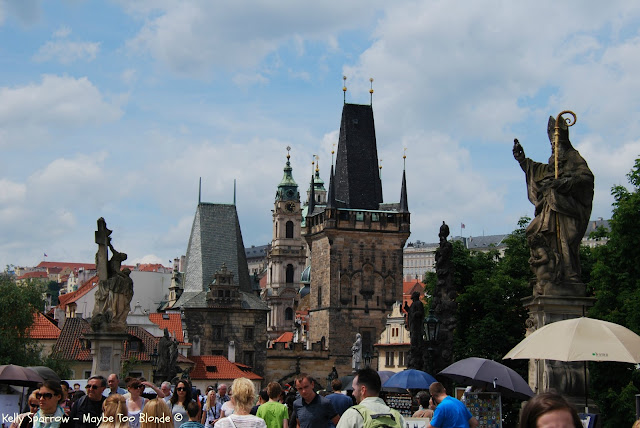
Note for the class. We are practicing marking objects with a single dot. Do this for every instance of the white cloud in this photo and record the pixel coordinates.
(66, 51)
(195, 38)
(29, 113)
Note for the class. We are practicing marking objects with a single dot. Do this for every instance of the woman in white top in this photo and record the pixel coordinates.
(211, 412)
(243, 398)
(135, 402)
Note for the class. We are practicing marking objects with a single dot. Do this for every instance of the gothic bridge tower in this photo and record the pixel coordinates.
(356, 244)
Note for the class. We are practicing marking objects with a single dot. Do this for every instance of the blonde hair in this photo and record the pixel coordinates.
(211, 399)
(636, 424)
(157, 414)
(114, 407)
(243, 393)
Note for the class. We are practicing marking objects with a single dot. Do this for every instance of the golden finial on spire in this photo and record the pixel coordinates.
(404, 159)
(371, 91)
(317, 163)
(380, 168)
(288, 150)
(333, 147)
(344, 89)
(313, 162)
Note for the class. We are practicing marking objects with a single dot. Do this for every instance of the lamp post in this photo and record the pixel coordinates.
(154, 363)
(431, 326)
(367, 359)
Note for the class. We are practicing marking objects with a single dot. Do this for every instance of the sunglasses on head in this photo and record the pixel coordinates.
(92, 387)
(180, 388)
(46, 395)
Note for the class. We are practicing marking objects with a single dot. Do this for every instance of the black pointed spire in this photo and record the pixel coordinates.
(404, 206)
(312, 198)
(331, 195)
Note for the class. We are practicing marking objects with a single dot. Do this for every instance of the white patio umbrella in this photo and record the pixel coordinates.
(580, 339)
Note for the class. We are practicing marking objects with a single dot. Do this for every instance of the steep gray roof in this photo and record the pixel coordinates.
(357, 177)
(215, 240)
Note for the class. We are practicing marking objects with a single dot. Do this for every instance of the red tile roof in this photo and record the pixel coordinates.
(407, 286)
(43, 328)
(65, 299)
(285, 337)
(217, 367)
(34, 274)
(71, 341)
(61, 265)
(173, 324)
(69, 345)
(263, 282)
(151, 267)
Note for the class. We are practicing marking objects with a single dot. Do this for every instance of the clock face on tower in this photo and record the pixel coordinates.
(290, 207)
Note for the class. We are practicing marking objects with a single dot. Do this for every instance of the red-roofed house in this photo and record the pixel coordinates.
(45, 331)
(211, 369)
(286, 338)
(38, 275)
(152, 267)
(74, 347)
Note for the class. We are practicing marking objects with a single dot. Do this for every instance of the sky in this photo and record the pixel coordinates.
(117, 108)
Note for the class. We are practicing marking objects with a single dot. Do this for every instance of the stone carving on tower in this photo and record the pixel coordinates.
(286, 259)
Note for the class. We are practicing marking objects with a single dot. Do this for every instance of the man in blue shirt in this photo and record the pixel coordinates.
(339, 401)
(312, 410)
(450, 412)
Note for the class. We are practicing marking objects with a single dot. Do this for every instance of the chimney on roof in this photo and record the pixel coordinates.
(232, 352)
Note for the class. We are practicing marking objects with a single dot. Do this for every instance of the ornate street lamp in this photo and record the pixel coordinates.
(431, 326)
(154, 363)
(367, 359)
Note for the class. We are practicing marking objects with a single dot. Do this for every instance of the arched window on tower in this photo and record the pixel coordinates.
(289, 276)
(289, 229)
(288, 314)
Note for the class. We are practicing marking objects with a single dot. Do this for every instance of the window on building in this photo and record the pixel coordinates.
(388, 359)
(216, 352)
(217, 332)
(247, 358)
(289, 227)
(135, 346)
(355, 300)
(402, 356)
(248, 333)
(289, 274)
(86, 374)
(288, 314)
(320, 296)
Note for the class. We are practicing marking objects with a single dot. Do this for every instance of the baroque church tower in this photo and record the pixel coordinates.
(286, 259)
(356, 244)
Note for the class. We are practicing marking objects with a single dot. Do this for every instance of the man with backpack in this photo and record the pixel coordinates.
(371, 411)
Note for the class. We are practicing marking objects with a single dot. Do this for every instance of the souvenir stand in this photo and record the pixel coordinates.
(486, 407)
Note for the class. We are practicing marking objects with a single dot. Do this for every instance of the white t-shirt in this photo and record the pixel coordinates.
(227, 408)
(241, 421)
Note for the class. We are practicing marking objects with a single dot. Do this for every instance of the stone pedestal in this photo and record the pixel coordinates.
(567, 378)
(106, 350)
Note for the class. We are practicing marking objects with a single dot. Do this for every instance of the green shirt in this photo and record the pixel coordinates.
(273, 413)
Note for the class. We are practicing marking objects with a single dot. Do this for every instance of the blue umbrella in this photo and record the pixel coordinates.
(410, 379)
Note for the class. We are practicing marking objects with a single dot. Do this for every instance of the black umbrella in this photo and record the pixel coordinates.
(347, 382)
(46, 373)
(18, 375)
(489, 374)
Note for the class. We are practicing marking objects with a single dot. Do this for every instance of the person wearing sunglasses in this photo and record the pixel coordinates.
(25, 420)
(135, 401)
(88, 409)
(50, 414)
(179, 402)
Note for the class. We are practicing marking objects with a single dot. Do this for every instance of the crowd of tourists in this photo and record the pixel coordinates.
(106, 405)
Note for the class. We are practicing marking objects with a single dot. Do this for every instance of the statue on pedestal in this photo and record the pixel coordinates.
(356, 353)
(415, 321)
(115, 287)
(562, 193)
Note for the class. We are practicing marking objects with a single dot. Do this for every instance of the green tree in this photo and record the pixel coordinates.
(491, 318)
(615, 282)
(19, 303)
